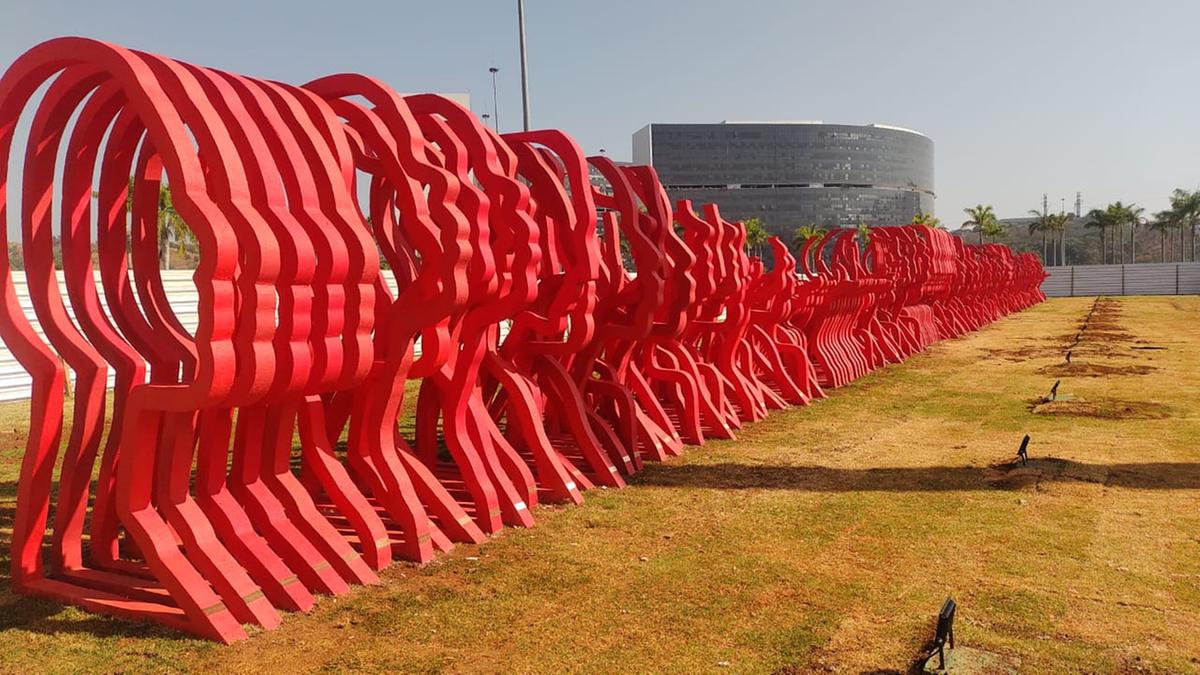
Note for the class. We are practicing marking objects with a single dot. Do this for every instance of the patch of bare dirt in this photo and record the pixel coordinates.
(1083, 369)
(1101, 349)
(1104, 318)
(1016, 475)
(1062, 342)
(1106, 336)
(1023, 354)
(1040, 472)
(1092, 335)
(1105, 408)
(11, 447)
(1146, 344)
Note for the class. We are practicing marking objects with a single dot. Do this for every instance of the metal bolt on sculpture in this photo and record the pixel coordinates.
(634, 327)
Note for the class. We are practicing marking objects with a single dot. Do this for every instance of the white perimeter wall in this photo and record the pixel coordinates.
(1139, 279)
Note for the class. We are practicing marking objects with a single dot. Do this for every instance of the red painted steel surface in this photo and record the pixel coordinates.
(636, 326)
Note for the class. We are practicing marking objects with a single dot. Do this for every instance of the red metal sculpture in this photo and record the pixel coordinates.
(557, 333)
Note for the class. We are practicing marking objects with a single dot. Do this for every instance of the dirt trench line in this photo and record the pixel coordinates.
(1102, 324)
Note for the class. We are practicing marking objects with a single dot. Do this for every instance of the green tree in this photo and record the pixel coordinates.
(1121, 215)
(1185, 205)
(804, 233)
(1040, 225)
(1057, 224)
(922, 218)
(1133, 216)
(16, 257)
(993, 230)
(756, 235)
(1116, 244)
(1101, 220)
(1163, 222)
(172, 231)
(981, 218)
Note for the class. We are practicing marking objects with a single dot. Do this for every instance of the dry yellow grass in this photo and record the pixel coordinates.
(824, 538)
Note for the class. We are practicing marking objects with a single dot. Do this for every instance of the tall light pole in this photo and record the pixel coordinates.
(495, 107)
(524, 64)
(485, 117)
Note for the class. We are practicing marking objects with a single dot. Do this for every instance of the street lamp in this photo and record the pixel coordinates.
(524, 64)
(485, 117)
(495, 107)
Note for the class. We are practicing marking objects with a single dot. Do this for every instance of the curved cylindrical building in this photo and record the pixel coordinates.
(790, 174)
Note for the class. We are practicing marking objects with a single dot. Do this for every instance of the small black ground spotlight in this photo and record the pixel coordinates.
(1023, 451)
(944, 634)
(1054, 390)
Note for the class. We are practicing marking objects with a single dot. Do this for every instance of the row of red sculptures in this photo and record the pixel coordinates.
(184, 497)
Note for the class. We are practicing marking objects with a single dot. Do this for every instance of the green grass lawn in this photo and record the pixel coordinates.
(824, 538)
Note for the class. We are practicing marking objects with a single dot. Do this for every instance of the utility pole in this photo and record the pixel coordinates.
(495, 106)
(1046, 212)
(1062, 237)
(1133, 226)
(524, 63)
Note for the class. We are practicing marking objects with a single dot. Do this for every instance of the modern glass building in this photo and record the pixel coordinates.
(790, 174)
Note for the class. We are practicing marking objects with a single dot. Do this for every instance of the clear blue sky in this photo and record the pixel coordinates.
(1020, 97)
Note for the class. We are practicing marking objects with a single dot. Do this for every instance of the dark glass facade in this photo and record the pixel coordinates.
(793, 174)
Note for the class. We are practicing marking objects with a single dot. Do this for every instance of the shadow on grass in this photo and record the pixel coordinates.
(49, 617)
(732, 476)
(8, 512)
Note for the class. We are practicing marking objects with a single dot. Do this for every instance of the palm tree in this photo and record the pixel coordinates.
(1133, 215)
(1186, 206)
(993, 230)
(1163, 221)
(1122, 215)
(16, 258)
(981, 217)
(922, 218)
(804, 233)
(1040, 224)
(1056, 223)
(1099, 219)
(171, 228)
(756, 235)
